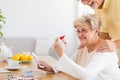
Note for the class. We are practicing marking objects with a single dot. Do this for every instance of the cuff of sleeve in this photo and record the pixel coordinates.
(56, 68)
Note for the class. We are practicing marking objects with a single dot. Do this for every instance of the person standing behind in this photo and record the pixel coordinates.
(109, 12)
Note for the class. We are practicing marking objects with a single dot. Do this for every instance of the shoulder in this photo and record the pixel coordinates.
(106, 56)
(106, 53)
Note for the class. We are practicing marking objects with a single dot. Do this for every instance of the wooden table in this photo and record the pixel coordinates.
(38, 74)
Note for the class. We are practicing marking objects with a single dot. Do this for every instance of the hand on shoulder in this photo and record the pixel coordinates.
(106, 46)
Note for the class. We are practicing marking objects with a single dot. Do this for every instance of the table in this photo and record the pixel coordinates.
(38, 74)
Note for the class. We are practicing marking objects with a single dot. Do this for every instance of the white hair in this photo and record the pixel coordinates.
(93, 20)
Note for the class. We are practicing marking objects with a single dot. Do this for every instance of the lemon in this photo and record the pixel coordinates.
(24, 57)
(19, 54)
(16, 57)
(30, 57)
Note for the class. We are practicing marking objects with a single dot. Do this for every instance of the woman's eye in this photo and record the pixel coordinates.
(84, 30)
(78, 31)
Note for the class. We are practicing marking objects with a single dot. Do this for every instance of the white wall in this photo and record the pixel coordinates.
(40, 18)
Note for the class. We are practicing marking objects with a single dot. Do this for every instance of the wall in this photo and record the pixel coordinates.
(40, 18)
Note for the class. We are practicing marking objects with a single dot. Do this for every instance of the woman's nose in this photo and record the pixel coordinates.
(80, 34)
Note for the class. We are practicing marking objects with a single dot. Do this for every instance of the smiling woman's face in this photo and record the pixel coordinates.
(87, 28)
(85, 33)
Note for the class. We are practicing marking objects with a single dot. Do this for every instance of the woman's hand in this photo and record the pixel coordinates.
(44, 66)
(59, 46)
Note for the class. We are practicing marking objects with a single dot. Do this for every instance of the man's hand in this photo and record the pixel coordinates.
(117, 43)
(107, 46)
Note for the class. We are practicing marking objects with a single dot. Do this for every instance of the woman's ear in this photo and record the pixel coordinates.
(97, 30)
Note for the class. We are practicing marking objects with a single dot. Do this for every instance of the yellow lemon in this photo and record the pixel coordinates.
(30, 57)
(19, 54)
(16, 57)
(24, 57)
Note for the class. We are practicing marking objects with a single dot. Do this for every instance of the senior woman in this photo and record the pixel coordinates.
(86, 63)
